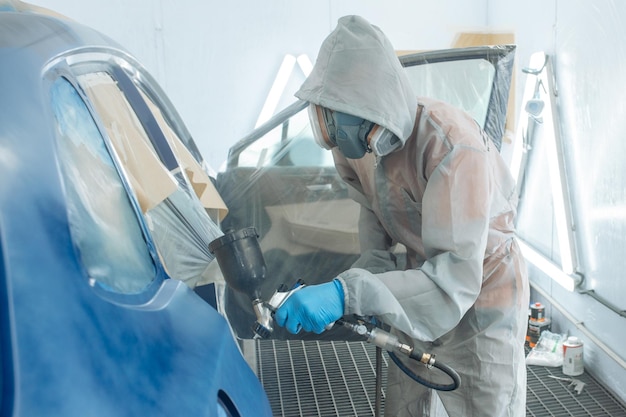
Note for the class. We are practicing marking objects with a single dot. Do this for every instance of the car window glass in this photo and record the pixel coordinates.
(290, 144)
(103, 223)
(466, 84)
(178, 222)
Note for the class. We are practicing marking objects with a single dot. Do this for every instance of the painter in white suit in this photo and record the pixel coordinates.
(428, 177)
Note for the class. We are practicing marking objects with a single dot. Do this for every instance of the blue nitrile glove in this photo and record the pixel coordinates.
(312, 308)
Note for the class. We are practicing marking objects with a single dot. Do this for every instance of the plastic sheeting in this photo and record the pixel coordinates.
(176, 203)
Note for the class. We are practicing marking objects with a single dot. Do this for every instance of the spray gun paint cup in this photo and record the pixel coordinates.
(240, 258)
(241, 261)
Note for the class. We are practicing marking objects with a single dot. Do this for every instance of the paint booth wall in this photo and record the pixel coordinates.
(217, 62)
(586, 43)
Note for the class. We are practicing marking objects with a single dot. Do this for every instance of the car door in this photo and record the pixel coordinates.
(278, 180)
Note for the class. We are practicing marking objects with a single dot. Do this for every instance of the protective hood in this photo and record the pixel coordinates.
(357, 72)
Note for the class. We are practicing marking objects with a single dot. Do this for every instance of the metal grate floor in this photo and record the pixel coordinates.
(317, 378)
(546, 396)
(329, 379)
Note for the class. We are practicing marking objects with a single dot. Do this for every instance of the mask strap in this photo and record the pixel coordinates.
(372, 134)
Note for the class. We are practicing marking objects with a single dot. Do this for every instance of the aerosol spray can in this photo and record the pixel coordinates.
(573, 356)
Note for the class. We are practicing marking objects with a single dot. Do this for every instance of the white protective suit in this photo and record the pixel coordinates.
(448, 197)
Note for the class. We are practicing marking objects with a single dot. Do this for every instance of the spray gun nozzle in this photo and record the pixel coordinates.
(260, 331)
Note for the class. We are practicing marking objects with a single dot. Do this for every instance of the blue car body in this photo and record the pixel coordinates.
(72, 344)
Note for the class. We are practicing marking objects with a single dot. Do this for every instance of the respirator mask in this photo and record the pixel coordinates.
(353, 135)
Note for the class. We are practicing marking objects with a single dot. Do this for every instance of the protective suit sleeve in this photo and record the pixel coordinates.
(375, 243)
(428, 302)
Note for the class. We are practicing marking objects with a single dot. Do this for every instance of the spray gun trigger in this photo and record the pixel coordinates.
(280, 297)
(264, 311)
(274, 303)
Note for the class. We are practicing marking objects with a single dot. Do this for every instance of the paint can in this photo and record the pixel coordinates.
(537, 312)
(573, 356)
(535, 328)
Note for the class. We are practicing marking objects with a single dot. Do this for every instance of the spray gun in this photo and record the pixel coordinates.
(243, 266)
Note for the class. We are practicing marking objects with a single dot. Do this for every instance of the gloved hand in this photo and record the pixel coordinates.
(312, 308)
